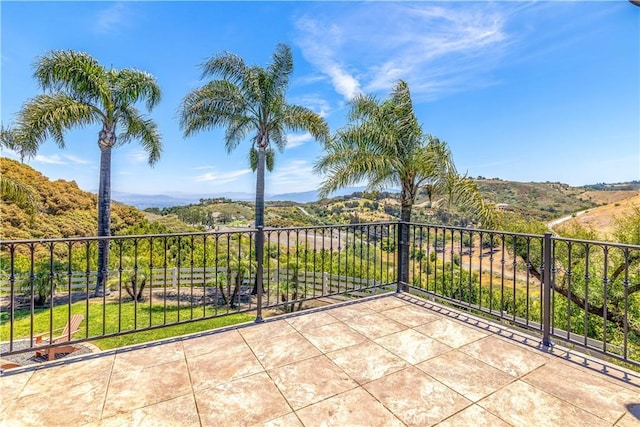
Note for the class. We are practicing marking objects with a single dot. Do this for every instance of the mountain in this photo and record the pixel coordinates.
(144, 201)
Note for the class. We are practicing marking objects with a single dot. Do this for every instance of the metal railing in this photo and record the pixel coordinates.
(580, 292)
(157, 281)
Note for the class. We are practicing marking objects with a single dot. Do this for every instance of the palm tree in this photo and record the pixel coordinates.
(16, 140)
(250, 100)
(12, 189)
(384, 145)
(83, 92)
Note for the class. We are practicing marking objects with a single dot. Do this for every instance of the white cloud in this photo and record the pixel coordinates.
(222, 177)
(298, 139)
(294, 176)
(318, 44)
(64, 159)
(112, 18)
(77, 160)
(314, 102)
(138, 157)
(437, 48)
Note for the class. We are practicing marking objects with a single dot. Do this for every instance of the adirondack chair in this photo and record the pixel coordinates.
(67, 332)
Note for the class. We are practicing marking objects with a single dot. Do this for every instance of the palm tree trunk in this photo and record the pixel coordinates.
(104, 220)
(259, 223)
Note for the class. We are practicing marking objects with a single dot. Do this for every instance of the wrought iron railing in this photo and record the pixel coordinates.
(580, 292)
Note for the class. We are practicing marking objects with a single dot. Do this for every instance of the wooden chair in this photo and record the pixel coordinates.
(67, 332)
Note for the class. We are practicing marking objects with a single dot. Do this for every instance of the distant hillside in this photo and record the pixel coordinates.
(536, 200)
(602, 218)
(63, 210)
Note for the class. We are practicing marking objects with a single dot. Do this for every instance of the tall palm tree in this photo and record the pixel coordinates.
(249, 100)
(82, 92)
(384, 145)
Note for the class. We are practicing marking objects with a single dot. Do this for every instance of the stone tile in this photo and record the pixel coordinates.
(509, 358)
(48, 380)
(283, 350)
(522, 404)
(180, 412)
(451, 333)
(581, 388)
(631, 418)
(367, 361)
(473, 416)
(412, 346)
(468, 376)
(310, 381)
(348, 312)
(235, 360)
(66, 405)
(136, 388)
(411, 315)
(197, 346)
(243, 402)
(352, 408)
(266, 331)
(384, 303)
(416, 398)
(304, 322)
(620, 376)
(374, 325)
(333, 336)
(149, 355)
(10, 388)
(289, 420)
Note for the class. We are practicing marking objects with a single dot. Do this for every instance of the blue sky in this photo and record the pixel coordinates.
(524, 91)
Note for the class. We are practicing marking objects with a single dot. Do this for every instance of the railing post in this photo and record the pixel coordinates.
(402, 239)
(546, 292)
(259, 271)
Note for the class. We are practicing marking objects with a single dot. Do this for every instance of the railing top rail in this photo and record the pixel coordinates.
(596, 243)
(312, 227)
(475, 230)
(135, 236)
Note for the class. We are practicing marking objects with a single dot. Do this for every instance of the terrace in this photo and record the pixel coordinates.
(459, 342)
(389, 360)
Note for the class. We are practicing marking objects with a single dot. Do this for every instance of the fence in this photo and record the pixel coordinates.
(581, 292)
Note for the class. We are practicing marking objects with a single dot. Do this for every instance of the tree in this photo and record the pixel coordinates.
(18, 141)
(384, 144)
(12, 189)
(249, 100)
(82, 92)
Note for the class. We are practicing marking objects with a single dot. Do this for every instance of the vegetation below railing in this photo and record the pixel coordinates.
(162, 280)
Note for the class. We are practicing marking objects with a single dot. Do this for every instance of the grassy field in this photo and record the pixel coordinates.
(112, 318)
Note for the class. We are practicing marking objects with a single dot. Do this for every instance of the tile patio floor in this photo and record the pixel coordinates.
(387, 361)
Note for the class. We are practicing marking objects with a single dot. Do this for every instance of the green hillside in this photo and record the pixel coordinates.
(64, 210)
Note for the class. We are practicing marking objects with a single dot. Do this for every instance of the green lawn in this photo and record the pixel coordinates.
(112, 317)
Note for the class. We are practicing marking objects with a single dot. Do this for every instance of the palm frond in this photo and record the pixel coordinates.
(77, 74)
(281, 68)
(227, 66)
(217, 103)
(131, 86)
(18, 192)
(144, 130)
(50, 115)
(17, 140)
(298, 118)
